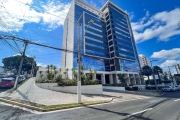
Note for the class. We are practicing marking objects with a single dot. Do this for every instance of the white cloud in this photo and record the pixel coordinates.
(170, 57)
(131, 15)
(162, 25)
(169, 63)
(15, 14)
(167, 54)
(41, 64)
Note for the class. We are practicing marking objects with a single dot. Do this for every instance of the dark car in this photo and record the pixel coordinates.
(7, 82)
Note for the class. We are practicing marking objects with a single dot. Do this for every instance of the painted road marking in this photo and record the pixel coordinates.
(177, 100)
(139, 112)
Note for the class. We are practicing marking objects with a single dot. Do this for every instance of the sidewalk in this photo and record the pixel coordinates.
(30, 92)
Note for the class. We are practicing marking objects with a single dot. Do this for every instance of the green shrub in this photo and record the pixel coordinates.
(66, 82)
(94, 82)
(59, 78)
(50, 76)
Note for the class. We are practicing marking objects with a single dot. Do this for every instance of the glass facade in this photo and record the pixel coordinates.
(108, 44)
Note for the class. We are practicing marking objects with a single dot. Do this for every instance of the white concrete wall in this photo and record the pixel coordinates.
(86, 89)
(68, 41)
(114, 88)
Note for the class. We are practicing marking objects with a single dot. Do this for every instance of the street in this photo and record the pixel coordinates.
(4, 89)
(165, 107)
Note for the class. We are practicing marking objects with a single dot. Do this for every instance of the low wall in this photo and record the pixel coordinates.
(114, 88)
(85, 89)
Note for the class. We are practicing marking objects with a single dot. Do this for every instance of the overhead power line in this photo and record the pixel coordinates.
(7, 37)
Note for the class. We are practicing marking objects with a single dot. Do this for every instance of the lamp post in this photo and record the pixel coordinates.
(153, 73)
(79, 58)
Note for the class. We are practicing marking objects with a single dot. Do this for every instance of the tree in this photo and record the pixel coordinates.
(90, 73)
(82, 69)
(55, 73)
(48, 67)
(95, 71)
(51, 66)
(165, 77)
(67, 72)
(147, 71)
(41, 75)
(177, 78)
(60, 70)
(122, 79)
(54, 68)
(72, 72)
(13, 62)
(157, 70)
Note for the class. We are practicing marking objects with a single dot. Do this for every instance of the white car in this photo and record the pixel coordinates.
(177, 87)
(168, 88)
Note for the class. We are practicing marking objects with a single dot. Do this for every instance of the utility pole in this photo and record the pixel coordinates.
(32, 68)
(79, 66)
(153, 73)
(174, 82)
(20, 67)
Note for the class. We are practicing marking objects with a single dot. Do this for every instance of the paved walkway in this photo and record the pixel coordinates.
(30, 92)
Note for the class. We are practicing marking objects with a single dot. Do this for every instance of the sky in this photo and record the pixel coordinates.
(155, 24)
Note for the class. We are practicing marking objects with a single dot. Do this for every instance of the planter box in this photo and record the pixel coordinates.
(85, 89)
(114, 88)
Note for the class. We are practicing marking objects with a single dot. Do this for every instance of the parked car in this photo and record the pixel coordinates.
(168, 88)
(177, 87)
(7, 82)
(2, 75)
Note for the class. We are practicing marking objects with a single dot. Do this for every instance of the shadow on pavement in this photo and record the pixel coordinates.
(134, 117)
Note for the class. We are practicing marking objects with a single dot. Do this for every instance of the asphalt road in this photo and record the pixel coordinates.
(166, 107)
(4, 89)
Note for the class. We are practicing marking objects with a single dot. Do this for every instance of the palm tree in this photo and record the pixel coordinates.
(51, 66)
(48, 68)
(157, 70)
(67, 72)
(82, 69)
(60, 70)
(95, 71)
(122, 79)
(91, 73)
(55, 73)
(64, 73)
(147, 71)
(40, 72)
(54, 68)
(72, 72)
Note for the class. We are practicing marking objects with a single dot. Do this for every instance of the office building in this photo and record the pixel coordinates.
(143, 61)
(107, 45)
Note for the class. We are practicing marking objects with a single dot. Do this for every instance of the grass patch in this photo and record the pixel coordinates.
(56, 107)
(12, 89)
(63, 106)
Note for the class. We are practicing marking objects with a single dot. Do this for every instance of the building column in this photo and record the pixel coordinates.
(103, 79)
(111, 79)
(128, 80)
(94, 76)
(117, 79)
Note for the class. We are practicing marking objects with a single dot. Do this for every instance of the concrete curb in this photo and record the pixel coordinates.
(21, 105)
(47, 110)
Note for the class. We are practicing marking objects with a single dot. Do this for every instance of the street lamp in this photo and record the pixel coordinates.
(153, 73)
(79, 58)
